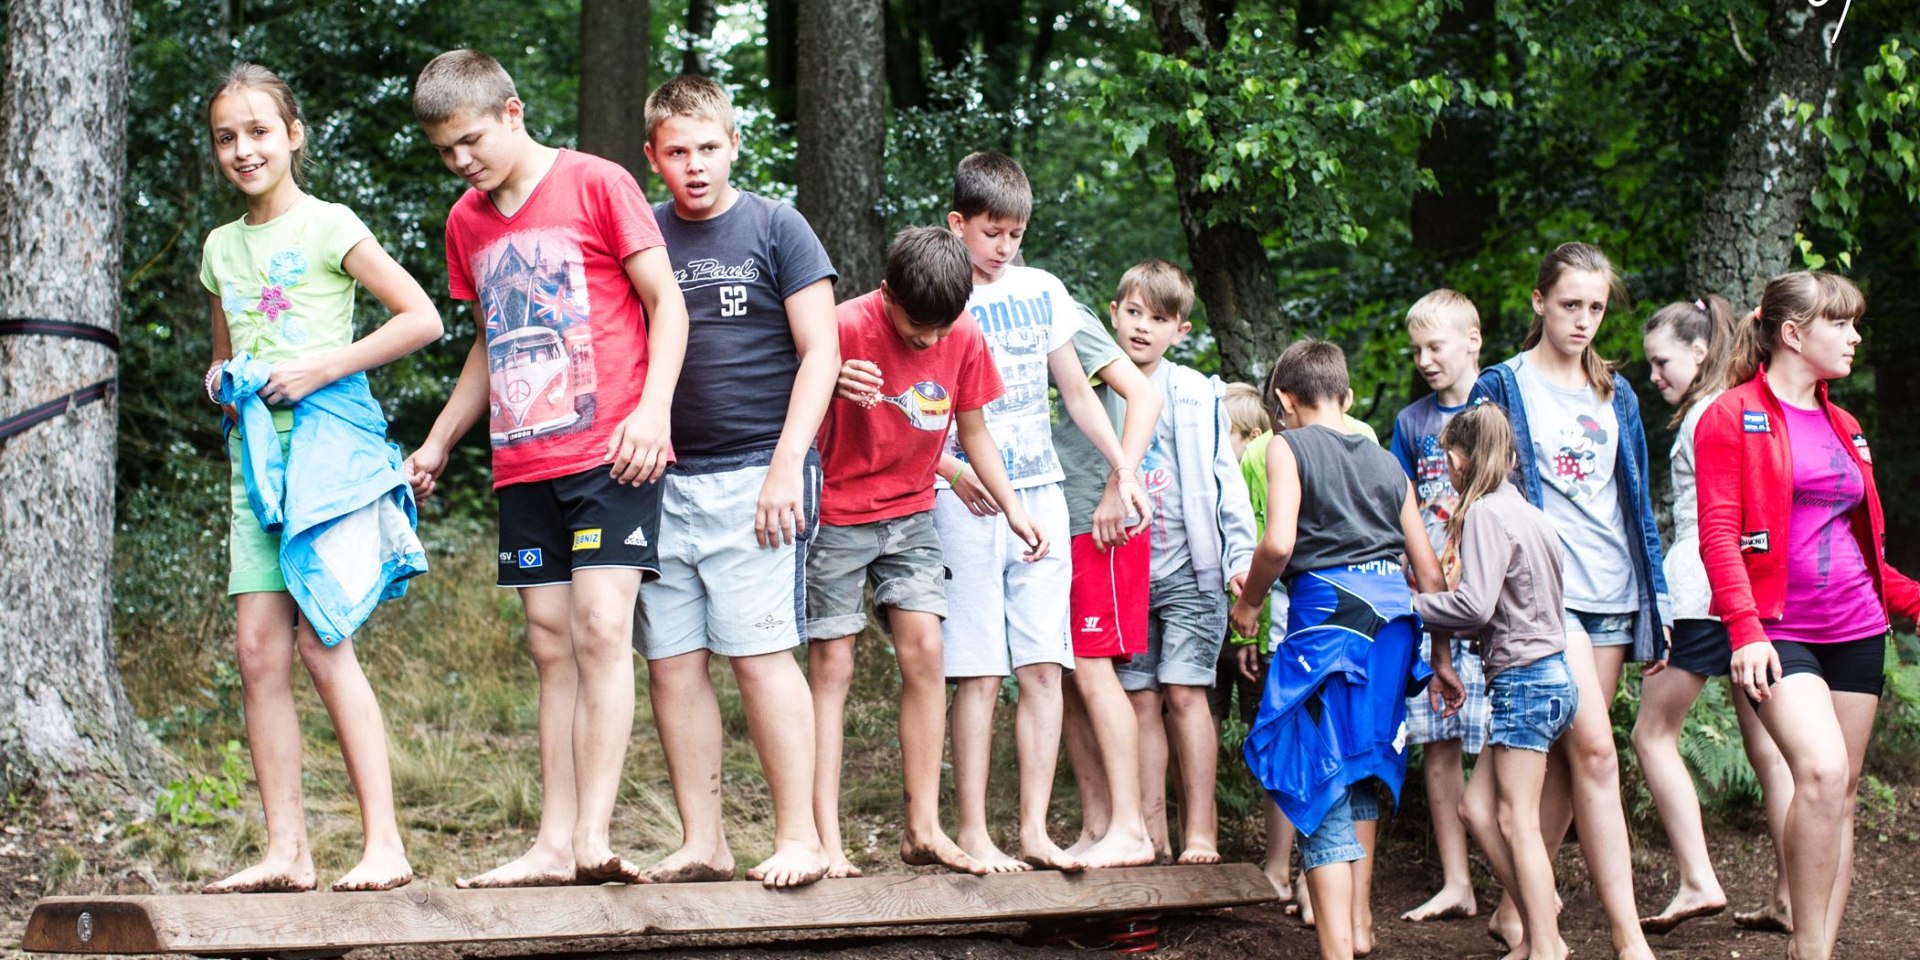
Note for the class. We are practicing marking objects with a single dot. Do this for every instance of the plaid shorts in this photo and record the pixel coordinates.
(1469, 725)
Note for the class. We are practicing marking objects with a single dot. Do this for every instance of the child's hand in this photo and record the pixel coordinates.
(781, 515)
(1139, 505)
(1248, 657)
(1246, 618)
(423, 469)
(294, 380)
(973, 493)
(1237, 585)
(1666, 653)
(639, 449)
(859, 382)
(1445, 687)
(1110, 519)
(1029, 534)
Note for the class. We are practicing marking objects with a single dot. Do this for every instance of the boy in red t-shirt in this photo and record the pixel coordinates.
(912, 365)
(582, 331)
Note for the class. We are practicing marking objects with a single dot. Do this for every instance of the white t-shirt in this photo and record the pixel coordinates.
(1576, 442)
(1026, 315)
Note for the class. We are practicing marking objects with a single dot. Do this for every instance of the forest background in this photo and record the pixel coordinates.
(1317, 165)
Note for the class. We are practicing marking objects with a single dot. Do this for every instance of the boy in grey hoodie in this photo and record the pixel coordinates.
(1203, 540)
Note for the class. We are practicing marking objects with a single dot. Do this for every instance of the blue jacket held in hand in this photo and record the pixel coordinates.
(1500, 383)
(338, 497)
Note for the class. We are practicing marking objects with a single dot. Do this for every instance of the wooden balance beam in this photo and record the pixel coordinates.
(328, 924)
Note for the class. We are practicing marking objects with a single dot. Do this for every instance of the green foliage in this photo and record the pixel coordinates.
(1878, 137)
(199, 799)
(1305, 143)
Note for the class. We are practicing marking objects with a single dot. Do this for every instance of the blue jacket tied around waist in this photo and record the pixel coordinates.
(338, 497)
(1334, 710)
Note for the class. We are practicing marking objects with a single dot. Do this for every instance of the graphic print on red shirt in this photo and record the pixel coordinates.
(879, 461)
(566, 332)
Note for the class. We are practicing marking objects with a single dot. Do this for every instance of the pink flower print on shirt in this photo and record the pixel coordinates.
(273, 299)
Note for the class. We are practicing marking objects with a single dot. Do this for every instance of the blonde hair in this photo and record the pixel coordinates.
(1443, 308)
(1708, 321)
(1163, 288)
(1790, 298)
(1585, 258)
(252, 76)
(1245, 409)
(693, 96)
(461, 80)
(1484, 439)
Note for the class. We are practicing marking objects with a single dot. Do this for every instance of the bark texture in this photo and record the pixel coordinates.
(614, 40)
(1745, 233)
(1231, 273)
(66, 725)
(699, 30)
(842, 135)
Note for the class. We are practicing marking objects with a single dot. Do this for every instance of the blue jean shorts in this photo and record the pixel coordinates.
(1532, 705)
(1335, 840)
(1603, 629)
(1186, 627)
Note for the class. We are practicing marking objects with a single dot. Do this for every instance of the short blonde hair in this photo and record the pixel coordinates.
(461, 80)
(1443, 308)
(1163, 287)
(689, 95)
(1245, 409)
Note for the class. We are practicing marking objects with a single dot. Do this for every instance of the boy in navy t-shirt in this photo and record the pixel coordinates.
(740, 504)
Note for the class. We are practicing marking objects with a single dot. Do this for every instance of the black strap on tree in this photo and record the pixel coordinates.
(40, 413)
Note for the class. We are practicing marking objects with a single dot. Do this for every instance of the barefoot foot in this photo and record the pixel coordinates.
(938, 850)
(376, 871)
(611, 870)
(1448, 904)
(1116, 849)
(986, 854)
(294, 875)
(839, 867)
(692, 866)
(1199, 851)
(1772, 918)
(1042, 854)
(1683, 908)
(533, 869)
(792, 865)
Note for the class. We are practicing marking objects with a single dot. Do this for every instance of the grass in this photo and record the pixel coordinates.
(458, 694)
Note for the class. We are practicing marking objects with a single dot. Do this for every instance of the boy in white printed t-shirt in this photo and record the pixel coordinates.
(1006, 616)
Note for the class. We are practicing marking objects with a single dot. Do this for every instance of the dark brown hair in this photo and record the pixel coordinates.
(1312, 371)
(929, 275)
(993, 184)
(1586, 258)
(1790, 298)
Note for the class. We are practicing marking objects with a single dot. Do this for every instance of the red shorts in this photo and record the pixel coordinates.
(1109, 599)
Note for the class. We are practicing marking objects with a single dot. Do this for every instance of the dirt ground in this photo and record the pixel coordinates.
(38, 849)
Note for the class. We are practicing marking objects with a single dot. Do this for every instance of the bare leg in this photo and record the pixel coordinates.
(1367, 831)
(1776, 789)
(1089, 774)
(829, 676)
(1331, 887)
(362, 732)
(923, 699)
(1855, 712)
(970, 721)
(780, 719)
(1122, 839)
(549, 862)
(1036, 730)
(688, 715)
(1522, 855)
(264, 650)
(1153, 768)
(1199, 750)
(1665, 699)
(602, 622)
(1803, 719)
(1442, 767)
(1595, 769)
(1279, 859)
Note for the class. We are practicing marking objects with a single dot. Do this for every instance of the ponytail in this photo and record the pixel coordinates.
(1708, 321)
(1752, 349)
(1797, 297)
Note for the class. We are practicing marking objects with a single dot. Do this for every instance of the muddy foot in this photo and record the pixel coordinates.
(792, 865)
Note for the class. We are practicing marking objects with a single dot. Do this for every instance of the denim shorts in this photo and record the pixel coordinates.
(1335, 841)
(1603, 629)
(1186, 627)
(1532, 705)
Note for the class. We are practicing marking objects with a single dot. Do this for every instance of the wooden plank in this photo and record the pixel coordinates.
(306, 922)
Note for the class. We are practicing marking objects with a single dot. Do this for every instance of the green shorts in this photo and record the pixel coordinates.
(253, 555)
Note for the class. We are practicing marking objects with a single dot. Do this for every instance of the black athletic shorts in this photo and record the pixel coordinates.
(550, 528)
(1701, 647)
(1851, 666)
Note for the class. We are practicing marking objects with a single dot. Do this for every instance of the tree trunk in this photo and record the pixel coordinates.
(783, 68)
(1745, 233)
(614, 40)
(842, 135)
(66, 725)
(699, 31)
(1231, 273)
